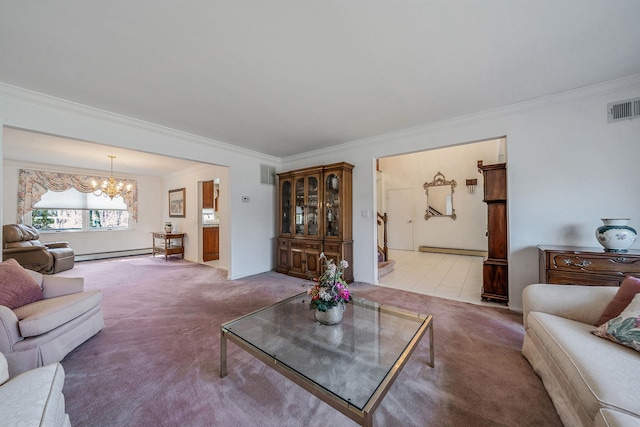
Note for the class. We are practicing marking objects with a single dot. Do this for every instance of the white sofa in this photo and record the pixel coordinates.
(591, 381)
(45, 331)
(33, 398)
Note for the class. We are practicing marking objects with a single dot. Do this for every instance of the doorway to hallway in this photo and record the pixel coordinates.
(400, 208)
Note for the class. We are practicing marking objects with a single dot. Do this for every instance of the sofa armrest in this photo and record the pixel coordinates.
(32, 257)
(580, 303)
(56, 286)
(23, 249)
(34, 398)
(54, 245)
(9, 330)
(4, 369)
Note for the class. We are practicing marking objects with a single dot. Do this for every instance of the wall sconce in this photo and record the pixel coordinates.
(471, 185)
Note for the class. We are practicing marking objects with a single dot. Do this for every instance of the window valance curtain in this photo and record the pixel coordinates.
(33, 184)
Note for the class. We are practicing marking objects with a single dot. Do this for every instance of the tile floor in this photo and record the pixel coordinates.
(456, 277)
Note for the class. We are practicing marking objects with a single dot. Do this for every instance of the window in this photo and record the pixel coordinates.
(72, 210)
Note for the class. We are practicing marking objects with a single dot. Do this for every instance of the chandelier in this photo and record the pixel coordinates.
(110, 188)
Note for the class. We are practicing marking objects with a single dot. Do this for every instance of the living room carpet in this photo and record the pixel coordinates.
(156, 363)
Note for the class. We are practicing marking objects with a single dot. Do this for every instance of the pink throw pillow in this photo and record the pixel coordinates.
(629, 287)
(17, 287)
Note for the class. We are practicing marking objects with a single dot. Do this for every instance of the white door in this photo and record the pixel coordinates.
(400, 223)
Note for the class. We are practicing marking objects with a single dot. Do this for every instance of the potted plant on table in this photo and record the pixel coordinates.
(330, 293)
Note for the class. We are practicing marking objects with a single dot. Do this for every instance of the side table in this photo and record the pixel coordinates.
(168, 244)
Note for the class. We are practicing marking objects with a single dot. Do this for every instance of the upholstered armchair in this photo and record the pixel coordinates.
(22, 243)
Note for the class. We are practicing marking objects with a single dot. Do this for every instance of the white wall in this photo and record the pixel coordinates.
(251, 226)
(567, 168)
(137, 237)
(459, 163)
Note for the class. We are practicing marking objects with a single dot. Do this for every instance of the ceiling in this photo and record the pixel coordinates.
(33, 147)
(284, 77)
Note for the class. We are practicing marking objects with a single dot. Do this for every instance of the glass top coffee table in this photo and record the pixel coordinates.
(350, 366)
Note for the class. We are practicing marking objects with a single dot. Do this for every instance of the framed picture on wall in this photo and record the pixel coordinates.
(176, 203)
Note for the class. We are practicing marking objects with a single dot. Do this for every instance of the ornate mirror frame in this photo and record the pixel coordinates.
(440, 181)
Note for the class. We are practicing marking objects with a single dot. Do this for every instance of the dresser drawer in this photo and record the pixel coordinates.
(617, 264)
(566, 278)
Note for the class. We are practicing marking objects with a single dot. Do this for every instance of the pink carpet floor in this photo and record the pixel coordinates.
(156, 363)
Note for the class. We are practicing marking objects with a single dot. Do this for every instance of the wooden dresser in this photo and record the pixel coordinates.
(573, 265)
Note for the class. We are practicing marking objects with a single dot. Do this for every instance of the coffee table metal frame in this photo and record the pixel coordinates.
(363, 416)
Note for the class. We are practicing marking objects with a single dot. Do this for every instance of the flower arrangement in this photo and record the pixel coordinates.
(330, 289)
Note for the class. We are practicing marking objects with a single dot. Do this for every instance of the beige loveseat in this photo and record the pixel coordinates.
(45, 331)
(591, 381)
(33, 398)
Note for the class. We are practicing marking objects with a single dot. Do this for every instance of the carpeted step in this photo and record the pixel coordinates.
(385, 268)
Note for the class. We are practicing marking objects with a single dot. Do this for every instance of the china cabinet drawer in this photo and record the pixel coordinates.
(305, 245)
(332, 247)
(282, 243)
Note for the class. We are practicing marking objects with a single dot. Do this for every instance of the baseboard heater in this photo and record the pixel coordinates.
(453, 251)
(113, 254)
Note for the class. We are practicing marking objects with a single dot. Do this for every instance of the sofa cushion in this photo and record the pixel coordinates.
(591, 366)
(17, 287)
(629, 287)
(34, 398)
(624, 329)
(43, 316)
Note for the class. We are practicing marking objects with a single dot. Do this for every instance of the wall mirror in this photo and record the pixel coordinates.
(440, 197)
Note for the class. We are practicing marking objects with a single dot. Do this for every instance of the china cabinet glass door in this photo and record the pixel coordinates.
(332, 205)
(300, 205)
(312, 206)
(285, 198)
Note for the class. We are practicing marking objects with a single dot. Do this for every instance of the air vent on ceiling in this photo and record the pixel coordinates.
(623, 110)
(267, 175)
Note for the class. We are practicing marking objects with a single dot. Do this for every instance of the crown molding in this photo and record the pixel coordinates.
(44, 100)
(600, 89)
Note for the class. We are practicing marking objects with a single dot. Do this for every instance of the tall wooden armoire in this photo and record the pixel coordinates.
(315, 216)
(495, 278)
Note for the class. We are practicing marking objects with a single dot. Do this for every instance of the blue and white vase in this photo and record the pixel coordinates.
(615, 235)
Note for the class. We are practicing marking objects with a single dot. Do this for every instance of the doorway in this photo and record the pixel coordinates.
(400, 208)
(210, 190)
(400, 181)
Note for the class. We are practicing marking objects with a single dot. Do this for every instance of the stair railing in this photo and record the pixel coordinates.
(382, 223)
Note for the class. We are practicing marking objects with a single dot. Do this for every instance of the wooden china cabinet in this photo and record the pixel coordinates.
(315, 216)
(495, 279)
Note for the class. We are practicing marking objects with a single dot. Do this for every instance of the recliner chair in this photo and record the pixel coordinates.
(21, 243)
